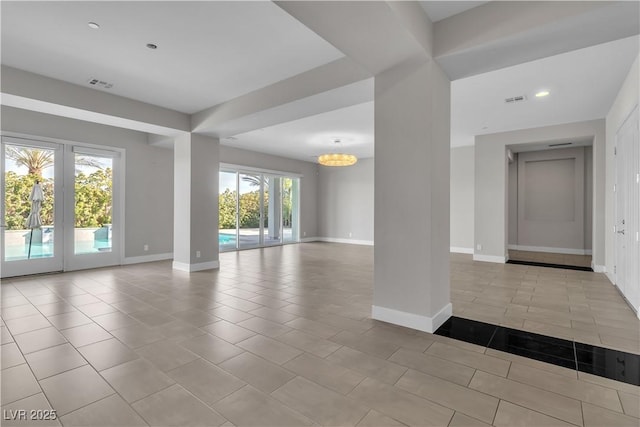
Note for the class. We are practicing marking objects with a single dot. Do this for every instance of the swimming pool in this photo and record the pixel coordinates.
(226, 239)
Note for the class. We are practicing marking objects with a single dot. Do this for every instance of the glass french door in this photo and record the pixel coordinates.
(26, 165)
(257, 209)
(77, 228)
(93, 207)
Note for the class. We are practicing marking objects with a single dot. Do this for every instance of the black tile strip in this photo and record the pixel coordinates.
(600, 361)
(479, 333)
(544, 264)
(534, 346)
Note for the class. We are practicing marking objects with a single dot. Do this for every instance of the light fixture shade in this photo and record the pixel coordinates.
(337, 159)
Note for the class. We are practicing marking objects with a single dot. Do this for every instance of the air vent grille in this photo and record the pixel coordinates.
(514, 99)
(99, 83)
(561, 144)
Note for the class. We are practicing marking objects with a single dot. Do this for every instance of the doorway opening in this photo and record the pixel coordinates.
(550, 204)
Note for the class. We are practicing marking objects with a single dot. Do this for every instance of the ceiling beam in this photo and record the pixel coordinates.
(25, 90)
(338, 84)
(500, 34)
(375, 34)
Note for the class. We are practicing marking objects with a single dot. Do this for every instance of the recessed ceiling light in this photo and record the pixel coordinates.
(93, 25)
(542, 93)
(152, 46)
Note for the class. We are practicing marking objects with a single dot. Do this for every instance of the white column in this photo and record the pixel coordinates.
(195, 218)
(411, 272)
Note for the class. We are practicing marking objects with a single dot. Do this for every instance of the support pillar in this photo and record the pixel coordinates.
(412, 149)
(195, 210)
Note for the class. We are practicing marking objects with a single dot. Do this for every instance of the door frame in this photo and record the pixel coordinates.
(118, 183)
(248, 170)
(632, 239)
(36, 265)
(73, 261)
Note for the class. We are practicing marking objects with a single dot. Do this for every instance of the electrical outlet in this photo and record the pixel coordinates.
(479, 247)
(304, 234)
(146, 247)
(197, 254)
(350, 234)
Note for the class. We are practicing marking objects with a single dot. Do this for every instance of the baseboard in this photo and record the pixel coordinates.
(599, 268)
(490, 258)
(148, 258)
(411, 320)
(309, 239)
(547, 249)
(347, 241)
(183, 266)
(458, 250)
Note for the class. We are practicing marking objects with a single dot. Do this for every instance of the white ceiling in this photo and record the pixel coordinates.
(439, 10)
(307, 138)
(234, 47)
(583, 84)
(238, 47)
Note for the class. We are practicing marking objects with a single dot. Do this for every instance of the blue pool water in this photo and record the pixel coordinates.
(226, 239)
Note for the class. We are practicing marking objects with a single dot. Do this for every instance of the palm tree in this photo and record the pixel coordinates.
(256, 180)
(36, 161)
(33, 159)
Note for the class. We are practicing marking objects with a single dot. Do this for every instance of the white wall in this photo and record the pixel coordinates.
(627, 99)
(149, 174)
(308, 182)
(491, 174)
(462, 200)
(345, 202)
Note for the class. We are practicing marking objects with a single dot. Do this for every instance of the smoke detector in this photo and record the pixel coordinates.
(514, 99)
(99, 83)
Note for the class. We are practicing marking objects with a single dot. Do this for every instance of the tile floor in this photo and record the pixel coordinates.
(282, 336)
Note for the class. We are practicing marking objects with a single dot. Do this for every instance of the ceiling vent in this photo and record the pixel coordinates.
(100, 83)
(514, 99)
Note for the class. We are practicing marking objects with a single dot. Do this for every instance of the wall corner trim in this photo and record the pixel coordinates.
(147, 258)
(411, 320)
(458, 250)
(183, 266)
(490, 258)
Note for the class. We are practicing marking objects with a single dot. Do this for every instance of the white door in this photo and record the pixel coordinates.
(627, 210)
(81, 211)
(23, 250)
(93, 209)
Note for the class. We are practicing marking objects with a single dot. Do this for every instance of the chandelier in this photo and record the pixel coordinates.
(337, 159)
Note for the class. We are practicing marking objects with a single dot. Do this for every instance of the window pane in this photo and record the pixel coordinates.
(249, 230)
(227, 209)
(271, 212)
(93, 204)
(290, 209)
(24, 167)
